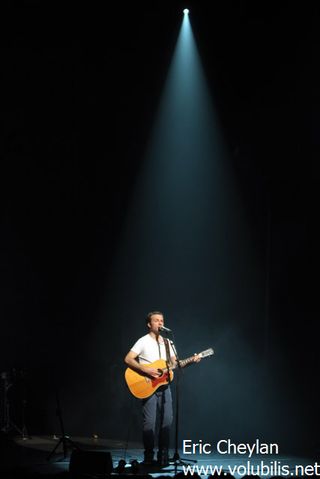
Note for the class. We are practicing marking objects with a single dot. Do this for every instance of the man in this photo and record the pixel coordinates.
(146, 350)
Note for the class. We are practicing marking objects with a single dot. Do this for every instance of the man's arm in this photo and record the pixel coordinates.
(131, 361)
(173, 361)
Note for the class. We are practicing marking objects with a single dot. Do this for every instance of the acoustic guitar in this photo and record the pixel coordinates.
(142, 386)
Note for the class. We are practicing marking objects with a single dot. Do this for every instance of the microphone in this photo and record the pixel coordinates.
(166, 330)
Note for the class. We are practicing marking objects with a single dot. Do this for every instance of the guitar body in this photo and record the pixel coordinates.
(142, 386)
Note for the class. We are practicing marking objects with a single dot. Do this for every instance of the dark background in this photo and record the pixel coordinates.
(80, 90)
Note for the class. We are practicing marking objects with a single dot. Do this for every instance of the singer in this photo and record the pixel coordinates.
(158, 407)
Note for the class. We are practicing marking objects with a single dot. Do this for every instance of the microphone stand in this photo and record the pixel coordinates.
(176, 457)
(64, 440)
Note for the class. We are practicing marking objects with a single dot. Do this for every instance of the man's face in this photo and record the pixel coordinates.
(156, 321)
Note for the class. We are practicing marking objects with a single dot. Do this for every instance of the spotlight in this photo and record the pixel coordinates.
(186, 11)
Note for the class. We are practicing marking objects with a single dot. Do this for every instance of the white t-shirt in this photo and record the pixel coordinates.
(149, 349)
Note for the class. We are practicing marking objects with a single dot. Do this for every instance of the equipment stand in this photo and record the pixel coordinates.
(64, 440)
(25, 434)
(8, 425)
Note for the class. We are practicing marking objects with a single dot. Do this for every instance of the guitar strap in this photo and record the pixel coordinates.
(168, 357)
(166, 343)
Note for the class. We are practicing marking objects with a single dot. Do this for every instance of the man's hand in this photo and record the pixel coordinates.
(196, 358)
(151, 372)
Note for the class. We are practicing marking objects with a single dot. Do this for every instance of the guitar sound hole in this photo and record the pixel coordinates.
(160, 373)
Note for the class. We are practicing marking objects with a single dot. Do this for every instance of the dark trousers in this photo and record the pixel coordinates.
(158, 406)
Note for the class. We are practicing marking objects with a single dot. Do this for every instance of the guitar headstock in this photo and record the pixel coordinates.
(206, 353)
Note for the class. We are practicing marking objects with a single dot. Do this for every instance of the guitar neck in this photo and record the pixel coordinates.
(203, 354)
(185, 362)
(182, 364)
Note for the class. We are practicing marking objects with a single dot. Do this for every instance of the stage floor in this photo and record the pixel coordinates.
(23, 457)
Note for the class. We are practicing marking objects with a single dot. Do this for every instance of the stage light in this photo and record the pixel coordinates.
(134, 466)
(121, 466)
(90, 463)
(186, 11)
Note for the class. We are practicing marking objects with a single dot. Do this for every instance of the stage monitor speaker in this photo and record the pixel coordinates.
(85, 463)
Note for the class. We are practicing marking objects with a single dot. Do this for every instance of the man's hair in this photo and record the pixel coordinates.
(149, 315)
